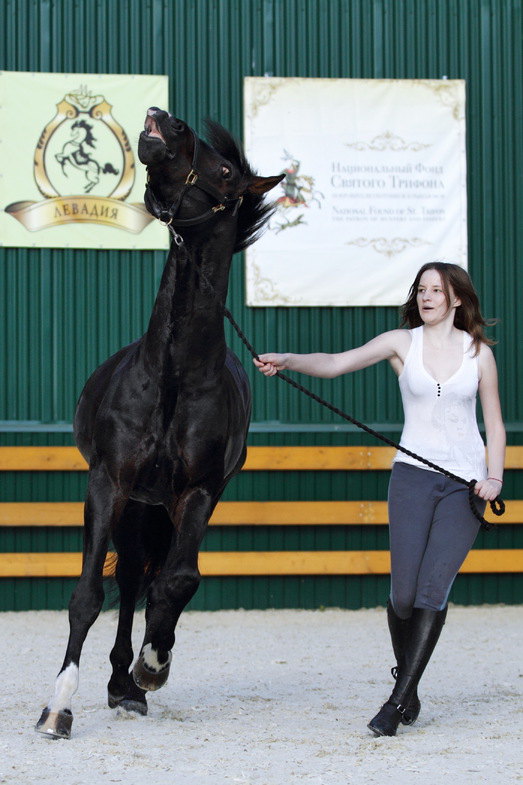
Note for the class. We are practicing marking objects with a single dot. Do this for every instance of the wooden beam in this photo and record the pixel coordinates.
(250, 563)
(326, 458)
(40, 565)
(41, 459)
(294, 563)
(41, 514)
(299, 513)
(274, 513)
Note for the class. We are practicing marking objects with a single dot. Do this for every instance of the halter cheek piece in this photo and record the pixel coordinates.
(167, 215)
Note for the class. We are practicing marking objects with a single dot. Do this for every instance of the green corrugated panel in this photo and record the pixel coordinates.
(63, 312)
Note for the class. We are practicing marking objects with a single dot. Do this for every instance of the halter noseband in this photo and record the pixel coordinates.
(167, 215)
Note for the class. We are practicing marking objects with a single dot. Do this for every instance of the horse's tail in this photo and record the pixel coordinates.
(109, 169)
(142, 539)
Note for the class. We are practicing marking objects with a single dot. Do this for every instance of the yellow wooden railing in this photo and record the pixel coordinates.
(248, 513)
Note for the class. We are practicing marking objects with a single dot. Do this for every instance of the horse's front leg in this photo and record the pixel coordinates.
(174, 587)
(102, 507)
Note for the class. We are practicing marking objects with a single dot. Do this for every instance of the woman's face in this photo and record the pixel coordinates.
(432, 303)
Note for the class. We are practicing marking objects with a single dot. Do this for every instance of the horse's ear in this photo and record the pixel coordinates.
(260, 185)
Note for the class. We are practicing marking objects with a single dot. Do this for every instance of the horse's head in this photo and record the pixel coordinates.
(191, 182)
(82, 132)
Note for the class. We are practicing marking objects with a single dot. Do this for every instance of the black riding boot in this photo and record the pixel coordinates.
(399, 631)
(425, 629)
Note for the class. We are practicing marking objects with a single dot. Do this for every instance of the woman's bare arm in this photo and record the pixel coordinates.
(494, 427)
(386, 346)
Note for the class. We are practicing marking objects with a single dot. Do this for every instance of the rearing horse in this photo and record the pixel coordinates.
(163, 422)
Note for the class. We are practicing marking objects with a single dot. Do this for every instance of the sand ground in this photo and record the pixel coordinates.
(271, 698)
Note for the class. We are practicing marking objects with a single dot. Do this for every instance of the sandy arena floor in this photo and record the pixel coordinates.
(271, 698)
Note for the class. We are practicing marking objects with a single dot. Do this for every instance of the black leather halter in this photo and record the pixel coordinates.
(167, 214)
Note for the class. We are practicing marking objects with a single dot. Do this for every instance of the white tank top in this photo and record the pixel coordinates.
(440, 419)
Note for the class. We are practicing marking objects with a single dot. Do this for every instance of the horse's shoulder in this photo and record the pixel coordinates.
(117, 361)
(237, 371)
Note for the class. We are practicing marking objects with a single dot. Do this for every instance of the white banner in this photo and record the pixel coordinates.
(375, 186)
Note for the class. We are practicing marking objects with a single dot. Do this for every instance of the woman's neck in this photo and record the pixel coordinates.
(445, 332)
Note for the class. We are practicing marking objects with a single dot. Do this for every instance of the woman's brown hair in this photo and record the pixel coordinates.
(468, 315)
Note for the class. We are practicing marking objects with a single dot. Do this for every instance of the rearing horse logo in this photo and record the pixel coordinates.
(84, 150)
(83, 166)
(75, 153)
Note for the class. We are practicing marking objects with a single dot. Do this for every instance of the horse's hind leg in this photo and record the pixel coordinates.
(122, 690)
(101, 508)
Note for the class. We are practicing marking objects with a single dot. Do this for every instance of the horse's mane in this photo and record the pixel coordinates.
(89, 137)
(254, 212)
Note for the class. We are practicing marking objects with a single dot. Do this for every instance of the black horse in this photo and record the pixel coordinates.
(163, 422)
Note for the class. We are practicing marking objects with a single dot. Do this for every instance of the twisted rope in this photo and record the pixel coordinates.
(497, 506)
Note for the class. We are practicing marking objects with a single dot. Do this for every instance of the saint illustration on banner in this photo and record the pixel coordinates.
(375, 186)
(298, 193)
(83, 166)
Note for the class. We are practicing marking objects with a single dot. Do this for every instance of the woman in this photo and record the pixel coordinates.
(441, 361)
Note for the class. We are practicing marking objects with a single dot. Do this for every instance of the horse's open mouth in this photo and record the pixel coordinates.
(151, 128)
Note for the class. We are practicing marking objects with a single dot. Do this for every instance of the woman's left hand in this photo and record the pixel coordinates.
(488, 489)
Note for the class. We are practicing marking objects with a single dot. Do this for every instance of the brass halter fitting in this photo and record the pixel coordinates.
(192, 178)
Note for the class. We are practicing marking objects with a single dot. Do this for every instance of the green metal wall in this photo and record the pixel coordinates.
(63, 312)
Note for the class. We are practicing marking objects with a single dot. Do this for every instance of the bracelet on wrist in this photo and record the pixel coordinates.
(496, 479)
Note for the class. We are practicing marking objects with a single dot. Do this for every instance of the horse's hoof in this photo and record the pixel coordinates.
(55, 724)
(132, 705)
(128, 704)
(150, 676)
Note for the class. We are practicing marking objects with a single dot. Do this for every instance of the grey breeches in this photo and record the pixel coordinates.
(431, 531)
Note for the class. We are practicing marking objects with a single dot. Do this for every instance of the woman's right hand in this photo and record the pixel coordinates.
(270, 364)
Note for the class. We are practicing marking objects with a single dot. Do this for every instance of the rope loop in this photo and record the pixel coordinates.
(497, 506)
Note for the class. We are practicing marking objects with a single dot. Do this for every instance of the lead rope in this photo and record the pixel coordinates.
(497, 506)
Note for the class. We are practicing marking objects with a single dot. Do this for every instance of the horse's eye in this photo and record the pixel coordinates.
(226, 172)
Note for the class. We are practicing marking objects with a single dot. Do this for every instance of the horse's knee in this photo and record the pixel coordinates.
(182, 586)
(174, 588)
